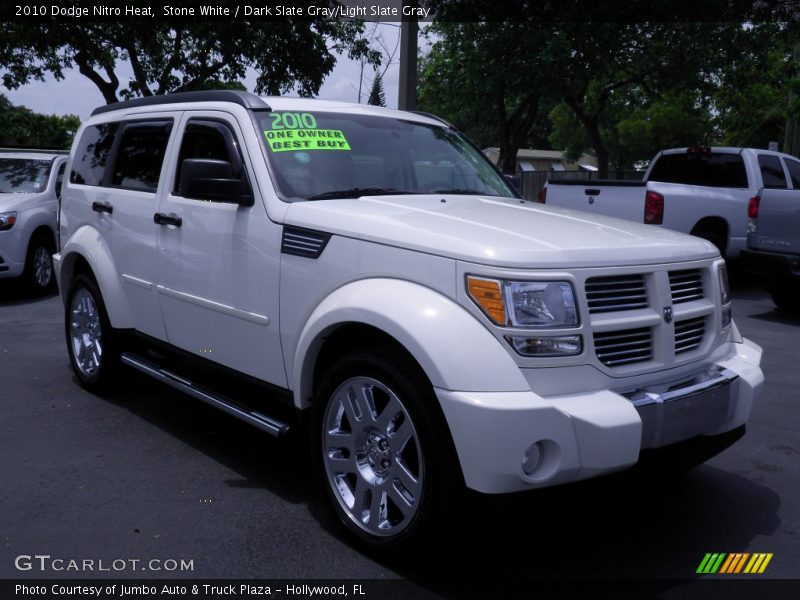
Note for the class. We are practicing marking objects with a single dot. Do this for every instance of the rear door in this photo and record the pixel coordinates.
(113, 188)
(778, 223)
(218, 261)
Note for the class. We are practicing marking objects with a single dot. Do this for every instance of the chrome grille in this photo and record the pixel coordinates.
(621, 292)
(686, 286)
(689, 334)
(616, 348)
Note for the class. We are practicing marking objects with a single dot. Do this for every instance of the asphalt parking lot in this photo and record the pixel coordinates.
(151, 474)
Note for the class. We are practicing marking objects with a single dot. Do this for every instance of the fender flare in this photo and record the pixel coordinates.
(453, 348)
(88, 244)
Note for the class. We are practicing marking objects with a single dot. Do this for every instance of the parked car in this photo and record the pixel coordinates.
(773, 240)
(368, 271)
(703, 191)
(30, 181)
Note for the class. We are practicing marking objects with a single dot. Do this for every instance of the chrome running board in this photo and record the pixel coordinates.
(257, 419)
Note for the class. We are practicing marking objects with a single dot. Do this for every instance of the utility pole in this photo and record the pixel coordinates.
(791, 139)
(407, 90)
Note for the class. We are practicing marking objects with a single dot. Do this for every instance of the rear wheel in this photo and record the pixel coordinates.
(90, 339)
(38, 273)
(786, 299)
(381, 454)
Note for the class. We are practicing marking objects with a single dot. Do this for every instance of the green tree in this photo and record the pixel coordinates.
(169, 56)
(21, 126)
(489, 78)
(752, 98)
(376, 95)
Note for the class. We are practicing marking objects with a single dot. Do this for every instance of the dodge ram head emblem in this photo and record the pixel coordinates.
(668, 314)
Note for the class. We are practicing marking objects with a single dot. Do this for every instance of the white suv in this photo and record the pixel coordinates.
(30, 181)
(370, 269)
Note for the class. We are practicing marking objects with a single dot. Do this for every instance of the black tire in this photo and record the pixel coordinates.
(383, 476)
(38, 275)
(91, 342)
(786, 299)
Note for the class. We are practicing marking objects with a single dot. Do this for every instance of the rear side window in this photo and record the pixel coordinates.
(141, 155)
(794, 171)
(711, 169)
(91, 156)
(771, 171)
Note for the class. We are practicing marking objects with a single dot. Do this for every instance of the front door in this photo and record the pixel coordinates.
(218, 261)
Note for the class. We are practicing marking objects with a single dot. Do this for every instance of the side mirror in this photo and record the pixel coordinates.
(212, 179)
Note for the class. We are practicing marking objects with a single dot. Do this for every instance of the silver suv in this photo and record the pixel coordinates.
(30, 183)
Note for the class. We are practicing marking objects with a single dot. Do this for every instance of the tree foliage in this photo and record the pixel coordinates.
(181, 55)
(22, 126)
(619, 89)
(376, 94)
(479, 75)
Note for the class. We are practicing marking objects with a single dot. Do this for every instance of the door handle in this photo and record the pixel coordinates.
(102, 207)
(592, 192)
(162, 219)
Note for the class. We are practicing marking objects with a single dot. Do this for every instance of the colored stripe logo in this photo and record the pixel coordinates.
(734, 563)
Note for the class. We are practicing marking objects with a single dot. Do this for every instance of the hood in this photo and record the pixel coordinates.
(17, 202)
(502, 232)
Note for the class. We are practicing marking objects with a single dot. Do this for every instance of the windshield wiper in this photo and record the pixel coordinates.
(461, 191)
(357, 193)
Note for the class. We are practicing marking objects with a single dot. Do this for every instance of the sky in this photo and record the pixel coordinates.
(75, 94)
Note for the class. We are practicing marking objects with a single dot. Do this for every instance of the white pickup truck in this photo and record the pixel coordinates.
(368, 272)
(700, 190)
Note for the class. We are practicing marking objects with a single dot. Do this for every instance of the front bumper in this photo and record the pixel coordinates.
(583, 435)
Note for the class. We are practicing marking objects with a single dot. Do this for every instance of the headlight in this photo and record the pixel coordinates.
(725, 296)
(525, 304)
(7, 220)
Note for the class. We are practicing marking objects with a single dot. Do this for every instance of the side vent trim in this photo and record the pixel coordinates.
(307, 243)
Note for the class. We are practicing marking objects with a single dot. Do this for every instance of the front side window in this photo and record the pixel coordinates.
(141, 155)
(794, 171)
(91, 156)
(23, 175)
(771, 171)
(320, 155)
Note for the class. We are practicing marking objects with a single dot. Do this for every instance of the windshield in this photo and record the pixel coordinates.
(320, 155)
(23, 175)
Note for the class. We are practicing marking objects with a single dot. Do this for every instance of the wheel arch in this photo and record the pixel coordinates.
(87, 252)
(714, 225)
(451, 347)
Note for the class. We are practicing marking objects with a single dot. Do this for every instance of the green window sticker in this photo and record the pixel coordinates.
(306, 139)
(298, 131)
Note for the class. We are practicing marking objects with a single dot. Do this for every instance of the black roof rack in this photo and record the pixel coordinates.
(245, 99)
(39, 149)
(431, 116)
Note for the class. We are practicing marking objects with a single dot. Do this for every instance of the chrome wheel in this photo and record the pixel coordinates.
(42, 267)
(85, 333)
(372, 456)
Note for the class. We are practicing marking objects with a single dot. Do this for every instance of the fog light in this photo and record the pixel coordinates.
(533, 458)
(726, 316)
(565, 345)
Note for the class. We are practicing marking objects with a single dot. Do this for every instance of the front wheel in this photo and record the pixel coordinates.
(38, 273)
(383, 462)
(90, 339)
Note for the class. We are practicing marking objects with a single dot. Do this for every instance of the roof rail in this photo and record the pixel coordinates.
(245, 99)
(28, 148)
(422, 113)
